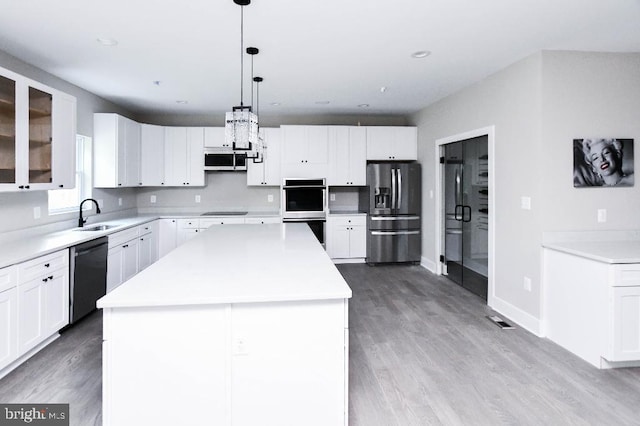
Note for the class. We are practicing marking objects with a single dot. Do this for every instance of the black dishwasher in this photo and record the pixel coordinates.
(87, 277)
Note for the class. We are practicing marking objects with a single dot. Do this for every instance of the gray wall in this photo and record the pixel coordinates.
(16, 209)
(538, 106)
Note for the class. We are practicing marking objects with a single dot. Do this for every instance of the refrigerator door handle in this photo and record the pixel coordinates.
(377, 218)
(395, 232)
(399, 182)
(393, 189)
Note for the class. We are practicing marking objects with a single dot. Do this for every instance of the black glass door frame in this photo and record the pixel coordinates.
(465, 205)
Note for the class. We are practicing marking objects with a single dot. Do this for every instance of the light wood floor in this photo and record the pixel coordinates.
(422, 353)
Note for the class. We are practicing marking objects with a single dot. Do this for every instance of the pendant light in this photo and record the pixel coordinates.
(256, 150)
(261, 145)
(241, 124)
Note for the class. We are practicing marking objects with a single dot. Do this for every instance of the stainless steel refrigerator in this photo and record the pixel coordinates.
(394, 198)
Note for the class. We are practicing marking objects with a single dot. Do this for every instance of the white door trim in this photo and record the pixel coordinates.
(439, 217)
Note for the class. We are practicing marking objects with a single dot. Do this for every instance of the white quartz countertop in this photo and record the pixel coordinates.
(23, 249)
(29, 248)
(236, 264)
(622, 251)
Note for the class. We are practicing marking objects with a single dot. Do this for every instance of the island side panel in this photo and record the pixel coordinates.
(576, 300)
(289, 363)
(166, 365)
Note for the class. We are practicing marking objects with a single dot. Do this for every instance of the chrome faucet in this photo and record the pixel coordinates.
(81, 221)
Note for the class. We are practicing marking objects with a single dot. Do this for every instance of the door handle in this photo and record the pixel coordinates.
(466, 209)
(458, 212)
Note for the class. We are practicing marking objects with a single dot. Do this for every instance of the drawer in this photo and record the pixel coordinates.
(205, 223)
(354, 220)
(43, 265)
(263, 220)
(188, 223)
(146, 228)
(119, 238)
(8, 278)
(626, 275)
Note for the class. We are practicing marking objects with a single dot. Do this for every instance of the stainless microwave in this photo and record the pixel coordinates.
(224, 159)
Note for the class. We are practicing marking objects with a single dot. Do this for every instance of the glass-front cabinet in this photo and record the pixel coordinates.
(7, 131)
(37, 135)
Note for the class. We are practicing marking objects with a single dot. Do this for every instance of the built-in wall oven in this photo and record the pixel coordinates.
(305, 200)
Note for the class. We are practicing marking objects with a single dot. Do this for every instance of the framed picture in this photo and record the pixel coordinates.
(602, 162)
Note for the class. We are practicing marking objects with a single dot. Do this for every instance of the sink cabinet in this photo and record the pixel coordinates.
(37, 135)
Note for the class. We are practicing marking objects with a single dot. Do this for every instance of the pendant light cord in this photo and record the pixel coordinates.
(241, 55)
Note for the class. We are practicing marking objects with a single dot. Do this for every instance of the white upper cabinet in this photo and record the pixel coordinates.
(347, 156)
(214, 138)
(184, 156)
(116, 151)
(152, 154)
(392, 143)
(267, 173)
(37, 135)
(305, 151)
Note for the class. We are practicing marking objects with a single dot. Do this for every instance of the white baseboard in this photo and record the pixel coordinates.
(428, 264)
(517, 315)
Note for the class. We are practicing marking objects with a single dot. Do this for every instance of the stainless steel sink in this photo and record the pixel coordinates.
(97, 228)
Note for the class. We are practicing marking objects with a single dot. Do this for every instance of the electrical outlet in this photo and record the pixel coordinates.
(36, 212)
(198, 198)
(332, 197)
(239, 347)
(602, 215)
(270, 198)
(527, 283)
(152, 199)
(525, 203)
(119, 201)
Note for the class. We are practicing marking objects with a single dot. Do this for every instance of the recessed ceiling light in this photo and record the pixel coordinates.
(420, 54)
(182, 102)
(383, 89)
(275, 104)
(107, 41)
(363, 106)
(322, 102)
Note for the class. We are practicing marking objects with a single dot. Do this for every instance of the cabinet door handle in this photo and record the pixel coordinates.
(45, 280)
(125, 246)
(50, 277)
(46, 265)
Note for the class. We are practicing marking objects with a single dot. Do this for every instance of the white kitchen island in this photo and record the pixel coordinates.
(591, 287)
(242, 325)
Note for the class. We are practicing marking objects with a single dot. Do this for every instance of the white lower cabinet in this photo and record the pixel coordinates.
(122, 260)
(604, 327)
(347, 236)
(148, 248)
(43, 299)
(8, 316)
(167, 236)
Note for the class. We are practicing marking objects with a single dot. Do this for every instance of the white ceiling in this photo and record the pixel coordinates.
(341, 51)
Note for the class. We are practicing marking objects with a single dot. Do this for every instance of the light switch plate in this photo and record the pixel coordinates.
(270, 198)
(525, 203)
(332, 197)
(119, 201)
(152, 199)
(198, 198)
(36, 212)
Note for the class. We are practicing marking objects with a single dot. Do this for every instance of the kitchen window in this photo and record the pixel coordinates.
(68, 200)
